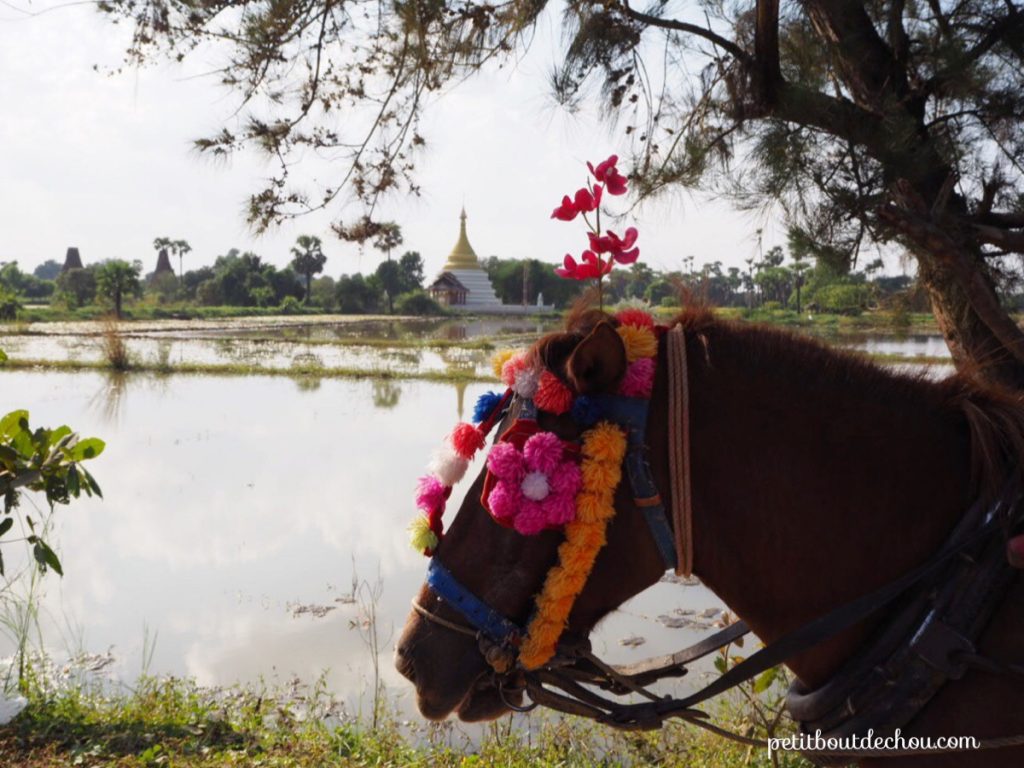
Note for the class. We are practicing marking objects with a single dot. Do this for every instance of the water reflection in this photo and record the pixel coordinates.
(386, 393)
(228, 501)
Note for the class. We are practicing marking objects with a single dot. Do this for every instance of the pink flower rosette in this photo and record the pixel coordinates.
(535, 488)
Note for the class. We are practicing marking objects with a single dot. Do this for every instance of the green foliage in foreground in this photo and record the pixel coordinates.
(48, 461)
(175, 723)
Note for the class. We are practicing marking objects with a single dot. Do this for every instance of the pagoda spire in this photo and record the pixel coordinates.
(462, 256)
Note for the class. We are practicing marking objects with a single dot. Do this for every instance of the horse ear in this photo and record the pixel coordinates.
(599, 361)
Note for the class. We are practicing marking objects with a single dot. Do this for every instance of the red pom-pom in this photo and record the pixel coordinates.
(635, 317)
(552, 395)
(467, 440)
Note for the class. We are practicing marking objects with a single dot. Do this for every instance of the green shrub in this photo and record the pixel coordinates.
(844, 299)
(290, 306)
(9, 306)
(417, 303)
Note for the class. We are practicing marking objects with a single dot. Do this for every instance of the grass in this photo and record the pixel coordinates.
(246, 369)
(178, 724)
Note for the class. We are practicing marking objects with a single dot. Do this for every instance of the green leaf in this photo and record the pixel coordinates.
(13, 423)
(74, 487)
(764, 681)
(5, 525)
(3, 359)
(46, 556)
(89, 448)
(58, 434)
(91, 482)
(720, 664)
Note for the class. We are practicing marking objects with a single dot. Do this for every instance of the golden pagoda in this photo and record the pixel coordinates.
(463, 284)
(462, 256)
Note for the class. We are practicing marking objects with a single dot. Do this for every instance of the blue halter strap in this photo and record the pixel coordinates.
(630, 413)
(481, 616)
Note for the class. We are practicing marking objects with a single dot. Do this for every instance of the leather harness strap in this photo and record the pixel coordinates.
(679, 449)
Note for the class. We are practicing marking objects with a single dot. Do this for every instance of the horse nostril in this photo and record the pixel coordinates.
(404, 662)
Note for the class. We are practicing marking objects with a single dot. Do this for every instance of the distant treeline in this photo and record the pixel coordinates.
(806, 278)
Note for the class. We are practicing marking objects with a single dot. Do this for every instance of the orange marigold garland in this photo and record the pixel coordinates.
(604, 448)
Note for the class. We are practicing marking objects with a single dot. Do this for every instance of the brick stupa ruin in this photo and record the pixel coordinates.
(72, 260)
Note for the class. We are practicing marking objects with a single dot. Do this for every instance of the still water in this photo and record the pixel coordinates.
(238, 513)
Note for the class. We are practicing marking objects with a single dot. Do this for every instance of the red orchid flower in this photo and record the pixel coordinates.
(618, 247)
(595, 265)
(601, 172)
(591, 266)
(607, 173)
(584, 200)
(567, 211)
(615, 182)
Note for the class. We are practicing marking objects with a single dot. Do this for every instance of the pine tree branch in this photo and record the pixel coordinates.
(692, 29)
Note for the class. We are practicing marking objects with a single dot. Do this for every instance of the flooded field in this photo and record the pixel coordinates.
(404, 348)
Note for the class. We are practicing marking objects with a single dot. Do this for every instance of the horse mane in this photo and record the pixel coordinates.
(993, 416)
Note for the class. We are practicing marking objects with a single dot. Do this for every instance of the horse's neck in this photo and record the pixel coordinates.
(812, 487)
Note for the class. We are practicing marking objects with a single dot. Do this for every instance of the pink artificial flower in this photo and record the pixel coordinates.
(567, 211)
(536, 488)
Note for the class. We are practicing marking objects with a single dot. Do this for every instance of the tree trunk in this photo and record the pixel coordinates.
(309, 279)
(117, 304)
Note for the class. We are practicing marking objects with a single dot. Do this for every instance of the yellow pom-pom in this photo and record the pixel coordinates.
(640, 342)
(421, 537)
(501, 357)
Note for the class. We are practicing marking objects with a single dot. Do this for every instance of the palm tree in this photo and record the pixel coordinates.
(389, 235)
(178, 247)
(308, 259)
(117, 278)
(181, 247)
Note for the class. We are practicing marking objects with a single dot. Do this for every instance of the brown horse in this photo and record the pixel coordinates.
(816, 477)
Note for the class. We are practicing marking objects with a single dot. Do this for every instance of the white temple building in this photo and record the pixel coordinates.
(464, 285)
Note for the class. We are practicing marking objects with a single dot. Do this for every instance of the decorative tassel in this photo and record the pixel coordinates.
(485, 405)
(467, 440)
(421, 537)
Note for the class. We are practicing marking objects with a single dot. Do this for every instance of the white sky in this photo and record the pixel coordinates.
(105, 163)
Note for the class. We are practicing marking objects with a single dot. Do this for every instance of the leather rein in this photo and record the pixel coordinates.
(566, 683)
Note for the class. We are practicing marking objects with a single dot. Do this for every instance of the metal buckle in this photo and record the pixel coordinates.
(938, 643)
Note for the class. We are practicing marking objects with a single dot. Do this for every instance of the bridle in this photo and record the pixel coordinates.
(939, 648)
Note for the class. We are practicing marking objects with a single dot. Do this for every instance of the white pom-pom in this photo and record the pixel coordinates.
(526, 382)
(535, 486)
(448, 465)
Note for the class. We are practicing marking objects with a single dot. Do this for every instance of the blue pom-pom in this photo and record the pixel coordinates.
(485, 406)
(586, 411)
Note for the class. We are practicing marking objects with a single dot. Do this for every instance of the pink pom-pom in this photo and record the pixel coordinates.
(566, 480)
(511, 367)
(506, 463)
(639, 378)
(560, 509)
(467, 440)
(504, 501)
(552, 395)
(543, 452)
(635, 317)
(430, 493)
(531, 519)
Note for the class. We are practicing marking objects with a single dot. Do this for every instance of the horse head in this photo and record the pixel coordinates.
(506, 570)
